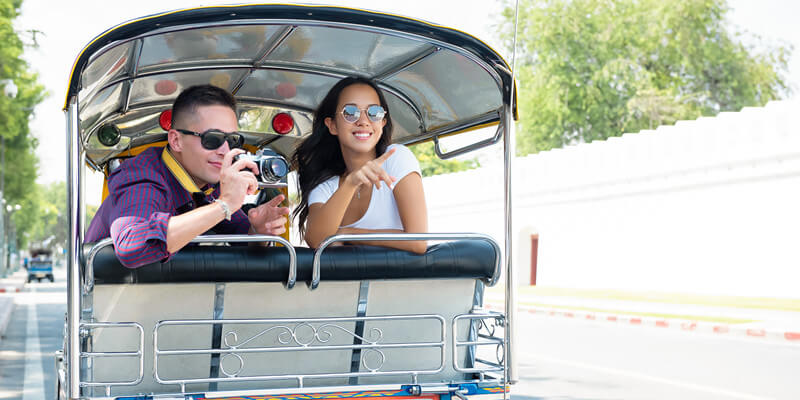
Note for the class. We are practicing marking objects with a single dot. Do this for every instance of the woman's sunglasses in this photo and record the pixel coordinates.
(212, 139)
(351, 113)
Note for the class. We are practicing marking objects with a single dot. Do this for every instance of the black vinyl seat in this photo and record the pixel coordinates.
(458, 259)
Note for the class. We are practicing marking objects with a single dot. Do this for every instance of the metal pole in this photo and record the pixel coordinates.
(511, 287)
(509, 150)
(75, 221)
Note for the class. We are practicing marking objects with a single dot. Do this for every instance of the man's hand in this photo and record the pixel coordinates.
(235, 181)
(268, 218)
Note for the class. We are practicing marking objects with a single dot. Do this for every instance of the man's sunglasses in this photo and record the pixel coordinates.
(212, 139)
(351, 113)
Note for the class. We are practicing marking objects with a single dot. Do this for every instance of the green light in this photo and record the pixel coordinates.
(108, 135)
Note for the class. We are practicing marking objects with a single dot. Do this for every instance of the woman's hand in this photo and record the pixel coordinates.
(371, 173)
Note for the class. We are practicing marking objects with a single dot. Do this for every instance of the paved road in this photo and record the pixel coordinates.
(27, 368)
(560, 358)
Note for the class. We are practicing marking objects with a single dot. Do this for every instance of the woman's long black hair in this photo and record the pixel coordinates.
(319, 157)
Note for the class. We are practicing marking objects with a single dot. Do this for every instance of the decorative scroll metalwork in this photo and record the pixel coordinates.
(488, 324)
(87, 327)
(303, 335)
(318, 335)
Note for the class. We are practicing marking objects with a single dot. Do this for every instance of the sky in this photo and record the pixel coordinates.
(67, 26)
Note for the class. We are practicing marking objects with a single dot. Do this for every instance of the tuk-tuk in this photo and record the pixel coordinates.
(40, 265)
(230, 322)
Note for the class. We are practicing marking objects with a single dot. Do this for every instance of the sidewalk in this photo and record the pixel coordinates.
(764, 318)
(10, 284)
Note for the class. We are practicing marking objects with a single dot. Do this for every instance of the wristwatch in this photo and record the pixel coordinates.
(225, 208)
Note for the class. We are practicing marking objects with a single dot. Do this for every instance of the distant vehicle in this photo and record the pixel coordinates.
(229, 322)
(40, 265)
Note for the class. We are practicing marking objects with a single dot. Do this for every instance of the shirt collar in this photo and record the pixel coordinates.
(181, 175)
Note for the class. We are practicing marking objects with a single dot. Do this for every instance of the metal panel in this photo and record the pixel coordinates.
(221, 43)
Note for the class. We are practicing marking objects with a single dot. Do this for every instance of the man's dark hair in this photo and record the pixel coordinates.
(197, 96)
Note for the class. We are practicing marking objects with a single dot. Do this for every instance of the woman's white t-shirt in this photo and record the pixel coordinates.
(382, 212)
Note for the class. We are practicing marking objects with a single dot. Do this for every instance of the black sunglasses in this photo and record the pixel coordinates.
(212, 139)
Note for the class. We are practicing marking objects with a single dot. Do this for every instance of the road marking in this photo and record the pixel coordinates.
(638, 375)
(33, 388)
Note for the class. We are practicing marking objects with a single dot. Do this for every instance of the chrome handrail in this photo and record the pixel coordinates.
(290, 281)
(88, 272)
(315, 275)
(470, 147)
(139, 353)
(490, 340)
(88, 283)
(327, 323)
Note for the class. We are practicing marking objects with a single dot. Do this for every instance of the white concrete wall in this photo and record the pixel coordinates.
(706, 206)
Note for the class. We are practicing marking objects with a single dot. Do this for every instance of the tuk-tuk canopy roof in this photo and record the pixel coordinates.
(283, 58)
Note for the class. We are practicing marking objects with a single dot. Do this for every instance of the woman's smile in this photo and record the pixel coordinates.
(362, 135)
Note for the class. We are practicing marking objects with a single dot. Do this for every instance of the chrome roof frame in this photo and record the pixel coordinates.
(293, 23)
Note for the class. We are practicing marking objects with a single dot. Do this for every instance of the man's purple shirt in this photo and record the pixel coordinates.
(143, 195)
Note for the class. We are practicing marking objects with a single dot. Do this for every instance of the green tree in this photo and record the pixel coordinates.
(48, 224)
(20, 94)
(431, 164)
(591, 69)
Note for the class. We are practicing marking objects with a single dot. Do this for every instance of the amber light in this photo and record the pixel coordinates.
(165, 120)
(282, 123)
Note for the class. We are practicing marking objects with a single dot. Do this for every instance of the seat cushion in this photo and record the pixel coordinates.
(458, 259)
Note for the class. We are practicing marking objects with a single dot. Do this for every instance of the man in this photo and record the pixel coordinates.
(163, 198)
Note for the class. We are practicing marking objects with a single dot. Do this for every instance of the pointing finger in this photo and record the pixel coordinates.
(385, 156)
(275, 201)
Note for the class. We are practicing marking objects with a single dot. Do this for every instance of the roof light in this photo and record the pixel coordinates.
(282, 123)
(286, 90)
(165, 120)
(166, 87)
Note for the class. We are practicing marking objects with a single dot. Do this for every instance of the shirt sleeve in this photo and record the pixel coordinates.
(322, 192)
(401, 163)
(139, 219)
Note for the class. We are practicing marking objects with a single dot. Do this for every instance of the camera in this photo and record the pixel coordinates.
(272, 167)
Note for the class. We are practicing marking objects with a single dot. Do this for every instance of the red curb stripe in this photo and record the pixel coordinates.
(689, 326)
(662, 324)
(721, 329)
(612, 318)
(636, 321)
(552, 313)
(590, 316)
(569, 315)
(756, 332)
(792, 335)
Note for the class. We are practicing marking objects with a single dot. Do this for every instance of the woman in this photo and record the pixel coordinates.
(351, 179)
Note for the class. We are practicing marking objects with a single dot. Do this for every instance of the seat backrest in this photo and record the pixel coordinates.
(377, 312)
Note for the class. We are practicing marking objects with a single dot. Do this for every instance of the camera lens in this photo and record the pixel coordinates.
(278, 168)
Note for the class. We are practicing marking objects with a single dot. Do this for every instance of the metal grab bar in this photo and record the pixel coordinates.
(88, 283)
(286, 330)
(139, 353)
(466, 149)
(488, 340)
(316, 267)
(290, 281)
